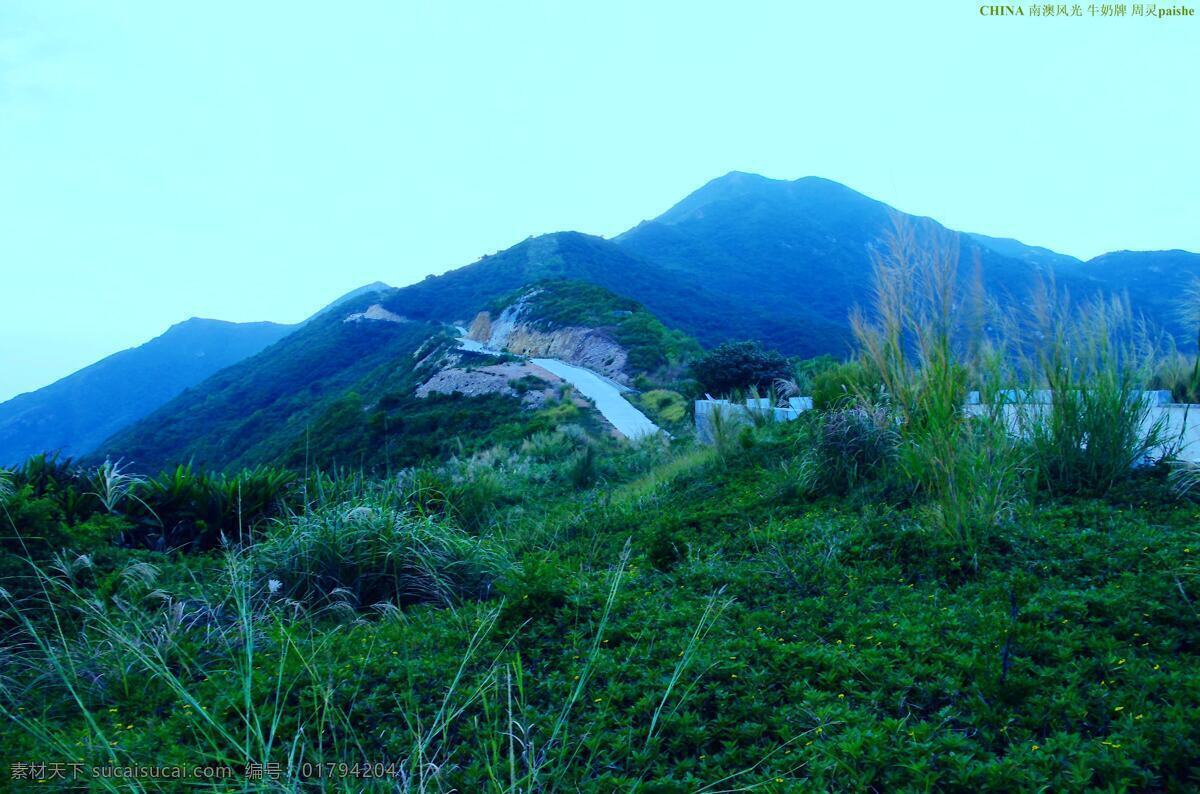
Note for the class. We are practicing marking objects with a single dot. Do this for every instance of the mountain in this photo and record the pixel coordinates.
(803, 248)
(676, 297)
(798, 251)
(331, 377)
(743, 257)
(1158, 284)
(74, 414)
(257, 409)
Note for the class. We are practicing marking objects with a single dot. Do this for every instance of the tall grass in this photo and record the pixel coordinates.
(112, 485)
(373, 554)
(854, 444)
(1095, 360)
(924, 344)
(253, 681)
(252, 677)
(724, 427)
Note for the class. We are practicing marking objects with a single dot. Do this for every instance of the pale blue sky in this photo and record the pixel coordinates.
(253, 160)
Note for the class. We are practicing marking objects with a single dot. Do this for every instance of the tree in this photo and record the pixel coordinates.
(736, 366)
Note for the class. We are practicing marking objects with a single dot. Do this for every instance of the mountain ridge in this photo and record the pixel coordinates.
(742, 257)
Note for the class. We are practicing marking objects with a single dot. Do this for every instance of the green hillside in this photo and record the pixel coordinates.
(553, 304)
(258, 410)
(339, 393)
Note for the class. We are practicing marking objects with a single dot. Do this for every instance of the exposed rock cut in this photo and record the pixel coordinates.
(494, 379)
(375, 312)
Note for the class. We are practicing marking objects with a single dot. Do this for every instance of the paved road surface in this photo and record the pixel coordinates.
(605, 393)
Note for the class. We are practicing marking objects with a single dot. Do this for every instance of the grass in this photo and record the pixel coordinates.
(368, 555)
(1095, 361)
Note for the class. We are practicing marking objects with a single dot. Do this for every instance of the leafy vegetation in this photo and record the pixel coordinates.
(684, 619)
(845, 383)
(556, 303)
(739, 366)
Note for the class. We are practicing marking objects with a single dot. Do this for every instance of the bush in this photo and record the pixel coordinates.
(665, 407)
(374, 554)
(739, 366)
(1097, 428)
(855, 444)
(192, 510)
(466, 493)
(583, 472)
(842, 384)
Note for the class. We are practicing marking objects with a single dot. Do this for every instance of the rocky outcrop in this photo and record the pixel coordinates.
(375, 312)
(584, 347)
(592, 348)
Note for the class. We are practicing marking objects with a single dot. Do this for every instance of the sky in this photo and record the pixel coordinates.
(253, 161)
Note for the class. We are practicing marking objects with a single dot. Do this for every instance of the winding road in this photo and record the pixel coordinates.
(603, 392)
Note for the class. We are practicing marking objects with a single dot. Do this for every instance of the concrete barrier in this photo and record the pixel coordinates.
(1180, 421)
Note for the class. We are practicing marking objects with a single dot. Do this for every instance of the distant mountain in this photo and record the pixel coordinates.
(1157, 283)
(259, 409)
(76, 413)
(801, 249)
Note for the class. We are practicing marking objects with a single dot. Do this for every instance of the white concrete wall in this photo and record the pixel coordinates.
(1180, 422)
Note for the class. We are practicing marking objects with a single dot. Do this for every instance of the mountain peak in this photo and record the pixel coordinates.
(745, 188)
(373, 288)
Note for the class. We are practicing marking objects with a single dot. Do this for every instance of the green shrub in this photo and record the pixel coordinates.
(466, 493)
(583, 471)
(665, 407)
(844, 384)
(374, 555)
(547, 445)
(855, 444)
(739, 366)
(667, 544)
(195, 511)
